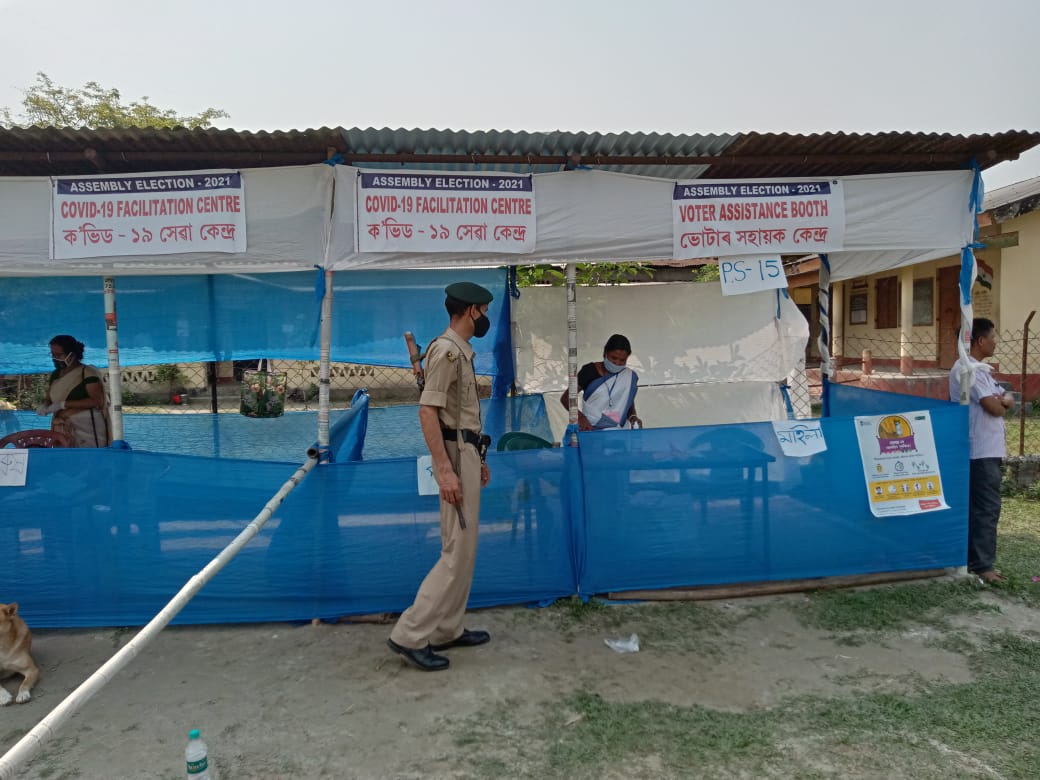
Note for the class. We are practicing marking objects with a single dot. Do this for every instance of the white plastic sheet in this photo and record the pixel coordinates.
(701, 358)
(892, 220)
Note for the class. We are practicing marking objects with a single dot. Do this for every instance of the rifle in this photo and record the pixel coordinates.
(415, 356)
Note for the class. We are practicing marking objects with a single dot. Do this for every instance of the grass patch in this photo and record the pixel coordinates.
(891, 607)
(984, 728)
(1018, 549)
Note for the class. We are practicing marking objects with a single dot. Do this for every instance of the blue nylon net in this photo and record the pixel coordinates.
(106, 537)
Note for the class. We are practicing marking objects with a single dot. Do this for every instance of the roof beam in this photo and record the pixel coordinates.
(290, 157)
(95, 159)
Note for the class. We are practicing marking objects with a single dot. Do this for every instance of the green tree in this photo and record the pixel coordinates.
(706, 273)
(586, 274)
(48, 104)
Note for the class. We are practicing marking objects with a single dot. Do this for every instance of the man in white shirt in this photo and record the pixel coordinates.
(988, 403)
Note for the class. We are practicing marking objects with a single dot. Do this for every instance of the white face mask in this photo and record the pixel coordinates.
(613, 368)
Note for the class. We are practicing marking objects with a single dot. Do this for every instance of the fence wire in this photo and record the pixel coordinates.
(179, 388)
(912, 367)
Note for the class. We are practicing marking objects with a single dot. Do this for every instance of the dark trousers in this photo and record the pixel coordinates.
(983, 513)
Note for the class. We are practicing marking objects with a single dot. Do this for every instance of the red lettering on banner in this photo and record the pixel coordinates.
(809, 208)
(697, 212)
(510, 206)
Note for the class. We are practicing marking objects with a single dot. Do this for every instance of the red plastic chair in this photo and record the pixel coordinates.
(34, 437)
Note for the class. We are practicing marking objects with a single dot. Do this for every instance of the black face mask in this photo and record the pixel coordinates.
(481, 326)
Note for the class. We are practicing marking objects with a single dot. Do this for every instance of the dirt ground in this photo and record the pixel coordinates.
(311, 701)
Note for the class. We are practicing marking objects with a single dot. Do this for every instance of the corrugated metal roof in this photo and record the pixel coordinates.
(850, 154)
(49, 151)
(1006, 196)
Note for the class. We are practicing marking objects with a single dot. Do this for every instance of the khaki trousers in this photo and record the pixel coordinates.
(436, 615)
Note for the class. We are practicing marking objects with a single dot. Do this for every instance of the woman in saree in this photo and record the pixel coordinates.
(76, 397)
(609, 390)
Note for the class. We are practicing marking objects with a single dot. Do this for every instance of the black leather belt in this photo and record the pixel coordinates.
(470, 437)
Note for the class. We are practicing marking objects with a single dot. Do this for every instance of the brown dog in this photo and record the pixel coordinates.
(15, 644)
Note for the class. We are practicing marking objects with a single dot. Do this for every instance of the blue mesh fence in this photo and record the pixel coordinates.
(105, 537)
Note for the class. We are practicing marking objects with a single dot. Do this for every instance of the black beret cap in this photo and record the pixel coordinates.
(470, 293)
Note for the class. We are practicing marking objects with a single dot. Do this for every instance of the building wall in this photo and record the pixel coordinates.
(1015, 293)
(1020, 272)
(885, 342)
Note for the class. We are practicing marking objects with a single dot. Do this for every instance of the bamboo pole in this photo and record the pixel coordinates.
(744, 589)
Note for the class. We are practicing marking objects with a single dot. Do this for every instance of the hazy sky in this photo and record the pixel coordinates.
(682, 66)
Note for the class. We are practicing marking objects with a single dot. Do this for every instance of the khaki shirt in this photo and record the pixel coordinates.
(442, 374)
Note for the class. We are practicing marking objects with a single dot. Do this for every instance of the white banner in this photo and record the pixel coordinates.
(423, 211)
(742, 217)
(900, 464)
(148, 214)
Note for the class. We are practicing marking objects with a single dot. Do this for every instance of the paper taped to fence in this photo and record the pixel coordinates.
(900, 463)
(427, 484)
(13, 466)
(799, 438)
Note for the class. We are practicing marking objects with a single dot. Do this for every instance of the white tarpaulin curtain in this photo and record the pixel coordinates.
(891, 220)
(701, 358)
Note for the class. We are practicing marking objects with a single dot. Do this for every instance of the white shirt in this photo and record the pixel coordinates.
(985, 431)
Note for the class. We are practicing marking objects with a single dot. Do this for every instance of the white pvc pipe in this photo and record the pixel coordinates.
(115, 373)
(572, 348)
(324, 364)
(29, 745)
(964, 337)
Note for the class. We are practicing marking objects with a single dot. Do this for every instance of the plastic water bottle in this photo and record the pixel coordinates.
(196, 759)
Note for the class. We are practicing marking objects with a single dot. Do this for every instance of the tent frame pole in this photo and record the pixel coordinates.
(572, 352)
(324, 365)
(115, 373)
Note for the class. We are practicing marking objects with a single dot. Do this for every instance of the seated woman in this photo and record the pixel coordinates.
(609, 389)
(76, 397)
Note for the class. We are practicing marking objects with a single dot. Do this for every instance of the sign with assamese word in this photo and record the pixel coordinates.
(740, 217)
(800, 438)
(900, 463)
(747, 274)
(425, 211)
(148, 214)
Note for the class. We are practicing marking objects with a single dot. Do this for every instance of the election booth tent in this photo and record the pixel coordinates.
(721, 487)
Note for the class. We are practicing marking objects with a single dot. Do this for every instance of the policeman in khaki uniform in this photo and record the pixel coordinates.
(449, 414)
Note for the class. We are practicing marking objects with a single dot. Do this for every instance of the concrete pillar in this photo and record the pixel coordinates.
(837, 320)
(906, 321)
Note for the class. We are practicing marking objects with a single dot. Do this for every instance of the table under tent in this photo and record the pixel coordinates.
(704, 495)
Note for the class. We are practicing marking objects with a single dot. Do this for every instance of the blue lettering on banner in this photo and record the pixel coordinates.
(736, 271)
(405, 181)
(135, 184)
(786, 189)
